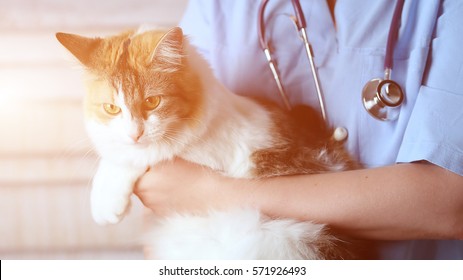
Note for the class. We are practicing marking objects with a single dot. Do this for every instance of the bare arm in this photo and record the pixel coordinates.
(397, 202)
(404, 201)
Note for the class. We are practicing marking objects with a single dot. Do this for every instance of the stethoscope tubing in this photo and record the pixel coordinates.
(393, 35)
(301, 26)
(301, 23)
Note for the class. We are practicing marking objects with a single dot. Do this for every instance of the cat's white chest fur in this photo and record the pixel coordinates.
(231, 138)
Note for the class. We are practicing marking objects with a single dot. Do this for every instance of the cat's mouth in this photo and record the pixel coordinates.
(137, 142)
(140, 144)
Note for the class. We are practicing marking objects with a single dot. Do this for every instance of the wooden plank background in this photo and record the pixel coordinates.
(46, 160)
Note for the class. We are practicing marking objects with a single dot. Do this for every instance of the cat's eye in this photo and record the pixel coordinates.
(152, 102)
(111, 109)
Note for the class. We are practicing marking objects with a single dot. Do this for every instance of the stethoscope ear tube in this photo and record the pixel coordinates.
(268, 55)
(261, 25)
(276, 76)
(301, 26)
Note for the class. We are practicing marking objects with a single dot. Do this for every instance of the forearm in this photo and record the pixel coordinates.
(406, 201)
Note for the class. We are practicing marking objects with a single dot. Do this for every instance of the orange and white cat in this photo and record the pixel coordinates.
(151, 97)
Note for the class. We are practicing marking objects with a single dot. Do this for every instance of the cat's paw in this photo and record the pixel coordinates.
(110, 209)
(110, 197)
(111, 190)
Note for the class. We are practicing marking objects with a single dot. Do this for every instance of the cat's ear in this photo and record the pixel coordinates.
(169, 52)
(82, 48)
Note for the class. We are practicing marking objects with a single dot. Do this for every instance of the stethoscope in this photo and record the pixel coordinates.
(381, 97)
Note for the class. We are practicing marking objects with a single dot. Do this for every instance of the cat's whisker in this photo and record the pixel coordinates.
(92, 165)
(172, 139)
(75, 147)
(198, 121)
(170, 133)
(90, 152)
(77, 152)
(173, 131)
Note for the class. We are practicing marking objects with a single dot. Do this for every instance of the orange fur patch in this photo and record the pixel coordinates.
(143, 65)
(99, 91)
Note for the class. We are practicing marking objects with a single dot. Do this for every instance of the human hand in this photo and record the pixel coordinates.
(180, 186)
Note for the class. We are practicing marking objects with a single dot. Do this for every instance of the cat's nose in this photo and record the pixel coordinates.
(136, 136)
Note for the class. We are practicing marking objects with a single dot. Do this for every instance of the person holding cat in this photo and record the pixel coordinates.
(409, 196)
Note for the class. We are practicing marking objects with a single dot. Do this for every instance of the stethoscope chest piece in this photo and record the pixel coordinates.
(382, 98)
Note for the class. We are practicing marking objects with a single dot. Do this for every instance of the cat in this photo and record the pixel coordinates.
(152, 97)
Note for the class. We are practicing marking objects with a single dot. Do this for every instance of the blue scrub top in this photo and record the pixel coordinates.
(349, 51)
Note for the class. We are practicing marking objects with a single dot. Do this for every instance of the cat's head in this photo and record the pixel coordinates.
(140, 88)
